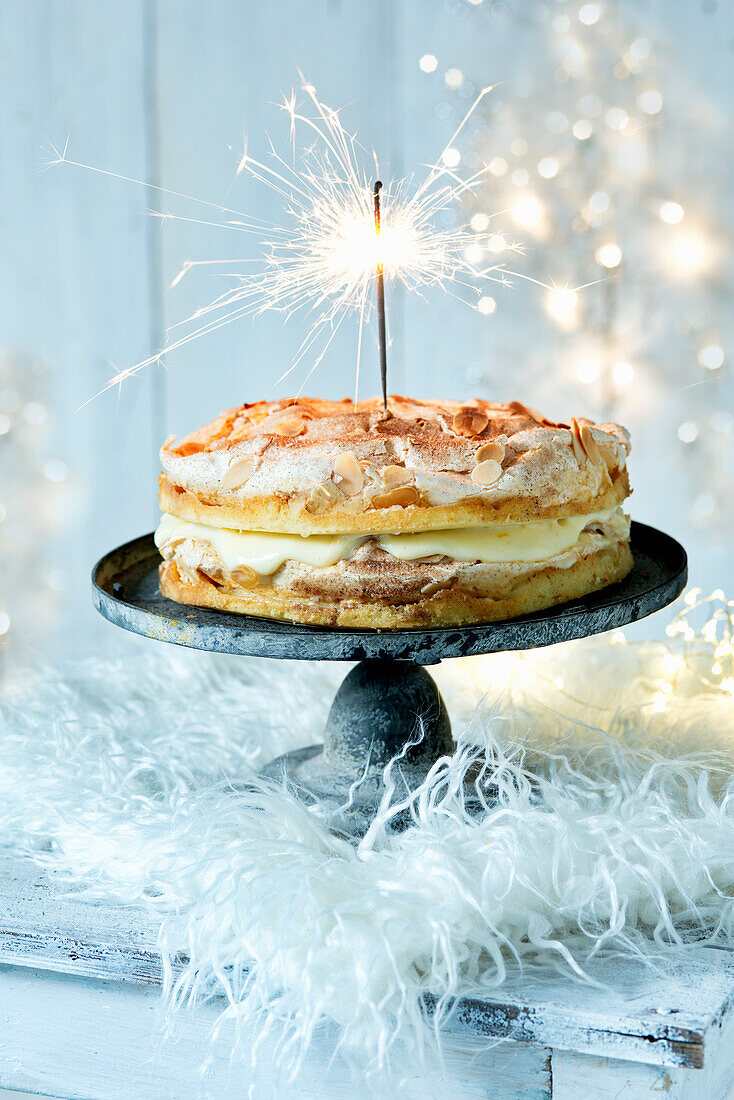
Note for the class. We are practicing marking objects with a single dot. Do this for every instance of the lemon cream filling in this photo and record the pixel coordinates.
(265, 552)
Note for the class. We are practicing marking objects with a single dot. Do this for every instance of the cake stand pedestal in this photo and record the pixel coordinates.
(388, 697)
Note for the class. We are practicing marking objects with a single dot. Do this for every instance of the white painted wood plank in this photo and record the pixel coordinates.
(75, 290)
(666, 1016)
(85, 1040)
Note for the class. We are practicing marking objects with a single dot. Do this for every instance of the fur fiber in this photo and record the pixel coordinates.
(613, 830)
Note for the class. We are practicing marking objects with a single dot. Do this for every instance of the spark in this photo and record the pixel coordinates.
(321, 261)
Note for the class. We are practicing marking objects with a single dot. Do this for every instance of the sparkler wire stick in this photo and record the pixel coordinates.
(380, 286)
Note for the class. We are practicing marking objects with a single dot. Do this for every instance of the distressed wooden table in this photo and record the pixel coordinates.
(80, 1019)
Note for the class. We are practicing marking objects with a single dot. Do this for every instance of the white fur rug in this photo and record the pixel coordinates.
(614, 828)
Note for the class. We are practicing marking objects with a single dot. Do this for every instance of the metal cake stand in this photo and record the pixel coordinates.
(374, 714)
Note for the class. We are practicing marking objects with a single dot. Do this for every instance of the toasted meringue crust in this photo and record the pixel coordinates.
(449, 605)
(309, 466)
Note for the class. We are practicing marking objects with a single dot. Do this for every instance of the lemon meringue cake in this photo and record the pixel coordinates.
(432, 513)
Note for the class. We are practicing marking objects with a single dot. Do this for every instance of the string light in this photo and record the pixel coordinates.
(651, 102)
(711, 357)
(588, 371)
(640, 49)
(599, 202)
(704, 506)
(582, 129)
(548, 168)
(623, 373)
(528, 212)
(589, 14)
(672, 212)
(609, 255)
(616, 118)
(55, 470)
(689, 254)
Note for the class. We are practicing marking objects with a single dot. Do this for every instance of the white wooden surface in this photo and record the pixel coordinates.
(160, 90)
(79, 1017)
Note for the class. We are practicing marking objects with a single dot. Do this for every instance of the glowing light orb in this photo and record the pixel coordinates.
(672, 213)
(608, 255)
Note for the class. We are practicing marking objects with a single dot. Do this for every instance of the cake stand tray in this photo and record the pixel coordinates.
(374, 715)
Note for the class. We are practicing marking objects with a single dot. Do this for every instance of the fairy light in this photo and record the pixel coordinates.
(582, 129)
(672, 213)
(454, 78)
(428, 63)
(480, 222)
(528, 212)
(498, 166)
(711, 357)
(588, 371)
(704, 506)
(556, 122)
(616, 118)
(689, 254)
(55, 470)
(687, 432)
(599, 202)
(623, 373)
(548, 168)
(35, 413)
(640, 49)
(486, 305)
(609, 255)
(589, 14)
(651, 102)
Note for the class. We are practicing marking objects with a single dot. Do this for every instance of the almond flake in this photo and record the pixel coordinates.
(588, 442)
(487, 472)
(349, 472)
(237, 474)
(577, 445)
(494, 451)
(608, 452)
(244, 577)
(402, 496)
(470, 422)
(291, 426)
(392, 476)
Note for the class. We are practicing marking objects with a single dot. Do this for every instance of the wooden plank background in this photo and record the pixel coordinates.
(162, 91)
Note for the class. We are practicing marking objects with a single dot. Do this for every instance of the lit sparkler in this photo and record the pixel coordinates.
(338, 237)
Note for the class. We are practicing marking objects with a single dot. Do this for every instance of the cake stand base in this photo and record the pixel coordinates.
(385, 710)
